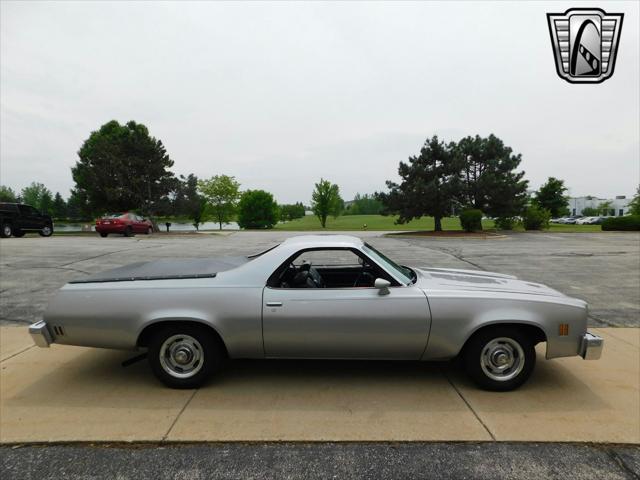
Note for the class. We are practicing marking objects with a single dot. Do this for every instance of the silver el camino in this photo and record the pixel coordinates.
(321, 297)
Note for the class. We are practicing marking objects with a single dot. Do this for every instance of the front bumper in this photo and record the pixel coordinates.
(40, 333)
(591, 348)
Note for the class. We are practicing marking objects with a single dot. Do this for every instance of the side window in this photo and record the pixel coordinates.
(327, 268)
(27, 210)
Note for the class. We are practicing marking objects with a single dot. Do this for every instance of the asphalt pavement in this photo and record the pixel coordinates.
(311, 461)
(601, 268)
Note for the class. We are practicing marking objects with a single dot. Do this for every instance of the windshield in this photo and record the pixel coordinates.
(404, 274)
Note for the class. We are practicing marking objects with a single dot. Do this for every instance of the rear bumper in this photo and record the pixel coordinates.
(40, 334)
(591, 348)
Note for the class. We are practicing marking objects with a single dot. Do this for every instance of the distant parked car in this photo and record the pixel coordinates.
(18, 218)
(584, 220)
(127, 224)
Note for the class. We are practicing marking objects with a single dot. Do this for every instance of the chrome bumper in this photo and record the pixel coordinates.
(591, 348)
(40, 334)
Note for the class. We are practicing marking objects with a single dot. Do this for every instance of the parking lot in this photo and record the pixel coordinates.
(601, 268)
(71, 394)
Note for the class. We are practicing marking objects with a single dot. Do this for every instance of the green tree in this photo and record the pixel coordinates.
(536, 218)
(551, 197)
(364, 205)
(222, 192)
(257, 209)
(590, 212)
(326, 200)
(188, 202)
(78, 206)
(7, 194)
(59, 207)
(489, 180)
(38, 196)
(634, 205)
(430, 183)
(122, 167)
(605, 208)
(290, 212)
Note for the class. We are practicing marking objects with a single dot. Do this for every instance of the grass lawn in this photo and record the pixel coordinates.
(379, 222)
(373, 222)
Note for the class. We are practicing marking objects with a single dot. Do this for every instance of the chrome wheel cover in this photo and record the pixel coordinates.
(7, 230)
(46, 231)
(502, 359)
(181, 356)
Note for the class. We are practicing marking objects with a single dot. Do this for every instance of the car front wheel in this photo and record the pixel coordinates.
(500, 359)
(184, 356)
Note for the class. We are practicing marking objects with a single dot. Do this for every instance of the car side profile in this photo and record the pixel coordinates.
(127, 224)
(317, 297)
(17, 219)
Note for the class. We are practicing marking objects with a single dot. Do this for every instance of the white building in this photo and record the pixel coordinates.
(619, 205)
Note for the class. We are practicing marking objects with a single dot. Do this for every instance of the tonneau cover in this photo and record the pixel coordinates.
(166, 269)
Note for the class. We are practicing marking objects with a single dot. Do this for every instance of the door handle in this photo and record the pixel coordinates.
(274, 304)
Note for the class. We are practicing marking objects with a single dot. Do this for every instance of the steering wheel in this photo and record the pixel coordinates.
(360, 275)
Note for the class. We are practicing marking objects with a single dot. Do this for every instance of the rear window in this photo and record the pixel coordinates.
(114, 215)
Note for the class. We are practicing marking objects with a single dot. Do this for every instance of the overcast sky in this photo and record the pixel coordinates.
(281, 94)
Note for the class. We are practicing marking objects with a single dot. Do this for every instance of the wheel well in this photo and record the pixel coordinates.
(534, 331)
(149, 330)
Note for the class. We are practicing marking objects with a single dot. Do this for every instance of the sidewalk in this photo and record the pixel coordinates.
(77, 394)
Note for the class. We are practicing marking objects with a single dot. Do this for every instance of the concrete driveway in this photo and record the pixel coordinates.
(78, 394)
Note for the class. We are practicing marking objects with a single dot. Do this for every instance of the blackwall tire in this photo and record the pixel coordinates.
(6, 231)
(500, 359)
(46, 231)
(184, 356)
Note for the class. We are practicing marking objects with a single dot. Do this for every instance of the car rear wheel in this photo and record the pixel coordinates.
(128, 232)
(7, 230)
(103, 234)
(500, 359)
(184, 356)
(46, 231)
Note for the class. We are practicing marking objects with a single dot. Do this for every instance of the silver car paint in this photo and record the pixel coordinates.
(431, 319)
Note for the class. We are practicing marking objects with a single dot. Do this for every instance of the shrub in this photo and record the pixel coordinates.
(257, 209)
(536, 218)
(628, 222)
(471, 220)
(506, 223)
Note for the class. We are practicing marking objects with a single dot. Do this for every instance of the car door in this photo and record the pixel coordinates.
(345, 322)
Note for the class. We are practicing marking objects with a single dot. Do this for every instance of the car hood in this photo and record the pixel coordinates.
(477, 280)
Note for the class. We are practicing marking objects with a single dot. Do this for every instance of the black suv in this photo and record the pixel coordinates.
(16, 219)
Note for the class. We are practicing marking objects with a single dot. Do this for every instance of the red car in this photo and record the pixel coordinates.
(126, 223)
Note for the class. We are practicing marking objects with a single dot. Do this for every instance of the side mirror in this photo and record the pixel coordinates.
(382, 285)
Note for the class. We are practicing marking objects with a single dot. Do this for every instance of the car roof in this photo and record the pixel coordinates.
(320, 241)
